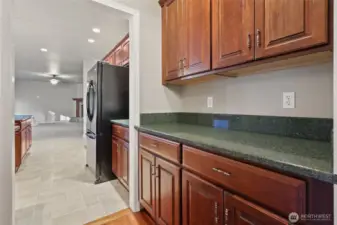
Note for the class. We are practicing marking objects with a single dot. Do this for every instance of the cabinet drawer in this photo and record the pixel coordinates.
(167, 149)
(120, 132)
(279, 192)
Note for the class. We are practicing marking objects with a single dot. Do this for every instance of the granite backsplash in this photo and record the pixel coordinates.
(318, 129)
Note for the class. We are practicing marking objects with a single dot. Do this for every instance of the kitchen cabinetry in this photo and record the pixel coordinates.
(202, 201)
(147, 181)
(125, 49)
(119, 55)
(120, 154)
(23, 140)
(285, 25)
(186, 37)
(233, 32)
(239, 211)
(215, 189)
(159, 182)
(172, 39)
(207, 37)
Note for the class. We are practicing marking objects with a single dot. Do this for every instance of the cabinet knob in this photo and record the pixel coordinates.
(258, 38)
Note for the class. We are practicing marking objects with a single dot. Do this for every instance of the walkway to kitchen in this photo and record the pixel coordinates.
(53, 186)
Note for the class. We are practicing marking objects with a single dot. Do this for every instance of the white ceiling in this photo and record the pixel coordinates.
(63, 27)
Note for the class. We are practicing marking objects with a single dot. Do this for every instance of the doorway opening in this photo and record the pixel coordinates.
(52, 182)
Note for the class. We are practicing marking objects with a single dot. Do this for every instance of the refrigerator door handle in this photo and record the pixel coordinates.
(91, 135)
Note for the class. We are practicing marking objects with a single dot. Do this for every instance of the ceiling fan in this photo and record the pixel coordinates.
(54, 81)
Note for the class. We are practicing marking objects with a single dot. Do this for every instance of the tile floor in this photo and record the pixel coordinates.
(53, 187)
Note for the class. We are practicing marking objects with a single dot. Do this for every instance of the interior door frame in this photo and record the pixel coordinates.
(134, 88)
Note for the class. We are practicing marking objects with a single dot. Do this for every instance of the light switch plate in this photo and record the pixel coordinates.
(288, 100)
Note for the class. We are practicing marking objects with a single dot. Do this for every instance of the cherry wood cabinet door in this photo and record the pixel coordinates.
(147, 181)
(232, 32)
(113, 58)
(167, 193)
(172, 39)
(287, 25)
(125, 50)
(241, 212)
(119, 56)
(124, 163)
(196, 22)
(202, 201)
(115, 147)
(23, 142)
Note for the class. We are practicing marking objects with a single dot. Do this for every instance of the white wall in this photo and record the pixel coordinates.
(154, 96)
(262, 94)
(7, 186)
(37, 98)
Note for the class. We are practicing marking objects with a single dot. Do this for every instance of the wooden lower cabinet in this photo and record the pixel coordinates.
(200, 188)
(159, 188)
(124, 165)
(115, 147)
(205, 203)
(23, 140)
(147, 181)
(240, 212)
(120, 154)
(202, 202)
(167, 193)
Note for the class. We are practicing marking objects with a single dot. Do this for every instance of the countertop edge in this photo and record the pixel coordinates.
(119, 123)
(279, 166)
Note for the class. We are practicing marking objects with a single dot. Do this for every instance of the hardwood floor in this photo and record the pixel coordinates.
(124, 217)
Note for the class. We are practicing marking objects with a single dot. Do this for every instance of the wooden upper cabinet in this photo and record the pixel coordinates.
(167, 193)
(196, 23)
(115, 148)
(232, 32)
(125, 49)
(172, 39)
(286, 25)
(147, 181)
(119, 55)
(202, 201)
(240, 212)
(113, 58)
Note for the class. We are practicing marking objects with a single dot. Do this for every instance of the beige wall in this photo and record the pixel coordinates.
(261, 94)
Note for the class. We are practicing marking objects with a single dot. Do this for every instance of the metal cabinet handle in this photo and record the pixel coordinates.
(216, 213)
(226, 216)
(258, 38)
(180, 64)
(249, 41)
(221, 171)
(154, 169)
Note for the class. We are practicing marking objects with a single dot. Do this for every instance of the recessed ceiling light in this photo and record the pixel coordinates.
(44, 50)
(96, 30)
(91, 40)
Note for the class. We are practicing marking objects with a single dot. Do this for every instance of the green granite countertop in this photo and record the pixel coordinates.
(124, 123)
(295, 156)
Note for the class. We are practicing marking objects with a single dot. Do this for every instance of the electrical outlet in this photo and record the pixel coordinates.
(209, 102)
(288, 100)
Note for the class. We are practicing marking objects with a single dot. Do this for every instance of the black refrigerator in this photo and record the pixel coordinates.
(107, 99)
